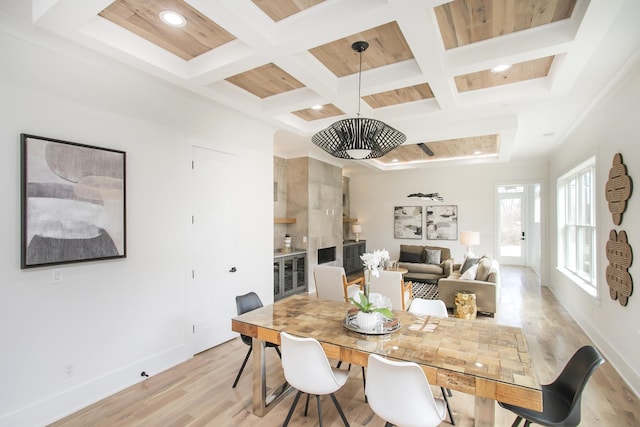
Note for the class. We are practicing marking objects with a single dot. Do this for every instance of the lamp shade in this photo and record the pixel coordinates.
(356, 228)
(470, 238)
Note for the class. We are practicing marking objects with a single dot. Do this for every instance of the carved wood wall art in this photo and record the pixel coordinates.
(620, 258)
(618, 189)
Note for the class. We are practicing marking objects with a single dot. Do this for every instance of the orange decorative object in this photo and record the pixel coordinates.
(618, 189)
(620, 258)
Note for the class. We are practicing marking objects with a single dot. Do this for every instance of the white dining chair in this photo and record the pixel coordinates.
(428, 307)
(400, 394)
(307, 369)
(436, 308)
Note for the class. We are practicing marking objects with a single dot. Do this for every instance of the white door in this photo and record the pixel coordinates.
(212, 295)
(511, 225)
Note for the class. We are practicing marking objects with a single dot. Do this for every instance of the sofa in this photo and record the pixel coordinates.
(425, 263)
(478, 275)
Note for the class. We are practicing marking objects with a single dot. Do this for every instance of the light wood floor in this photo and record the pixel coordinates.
(198, 392)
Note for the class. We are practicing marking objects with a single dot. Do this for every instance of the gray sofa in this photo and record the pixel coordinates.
(425, 263)
(485, 284)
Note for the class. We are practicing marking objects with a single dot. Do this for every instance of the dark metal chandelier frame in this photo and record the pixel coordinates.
(358, 138)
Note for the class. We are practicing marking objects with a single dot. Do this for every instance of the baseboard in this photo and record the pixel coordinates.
(626, 371)
(59, 406)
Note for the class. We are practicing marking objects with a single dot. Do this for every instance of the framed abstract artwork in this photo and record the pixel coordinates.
(407, 222)
(442, 222)
(73, 202)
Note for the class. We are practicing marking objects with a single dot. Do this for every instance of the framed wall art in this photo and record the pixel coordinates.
(442, 222)
(73, 202)
(407, 222)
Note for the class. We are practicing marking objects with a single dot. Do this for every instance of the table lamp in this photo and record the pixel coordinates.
(356, 229)
(469, 239)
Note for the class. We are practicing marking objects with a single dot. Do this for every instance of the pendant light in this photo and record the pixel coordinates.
(358, 138)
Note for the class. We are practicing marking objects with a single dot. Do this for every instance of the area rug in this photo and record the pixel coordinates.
(425, 290)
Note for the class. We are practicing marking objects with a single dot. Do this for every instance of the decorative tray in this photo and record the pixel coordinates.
(389, 326)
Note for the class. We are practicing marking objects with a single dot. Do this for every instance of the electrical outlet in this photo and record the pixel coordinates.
(68, 370)
(56, 275)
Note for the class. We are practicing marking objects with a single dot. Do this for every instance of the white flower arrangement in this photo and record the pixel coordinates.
(373, 261)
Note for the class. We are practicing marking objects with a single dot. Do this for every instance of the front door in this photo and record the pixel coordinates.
(511, 230)
(519, 225)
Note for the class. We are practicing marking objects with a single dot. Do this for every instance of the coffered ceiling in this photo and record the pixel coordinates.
(427, 71)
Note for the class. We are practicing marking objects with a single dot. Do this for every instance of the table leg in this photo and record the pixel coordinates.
(263, 403)
(485, 412)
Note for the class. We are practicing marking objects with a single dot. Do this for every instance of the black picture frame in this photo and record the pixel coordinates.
(73, 201)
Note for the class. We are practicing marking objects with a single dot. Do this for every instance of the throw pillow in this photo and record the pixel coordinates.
(468, 262)
(432, 256)
(484, 266)
(470, 274)
(410, 257)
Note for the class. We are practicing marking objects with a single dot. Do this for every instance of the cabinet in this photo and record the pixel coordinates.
(351, 252)
(289, 275)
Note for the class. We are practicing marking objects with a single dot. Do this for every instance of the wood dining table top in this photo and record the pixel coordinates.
(477, 357)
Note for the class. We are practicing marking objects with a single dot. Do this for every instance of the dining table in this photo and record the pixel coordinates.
(479, 357)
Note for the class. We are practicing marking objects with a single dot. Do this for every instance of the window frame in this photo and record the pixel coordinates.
(576, 218)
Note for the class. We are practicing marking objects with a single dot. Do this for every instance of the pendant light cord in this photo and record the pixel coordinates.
(359, 83)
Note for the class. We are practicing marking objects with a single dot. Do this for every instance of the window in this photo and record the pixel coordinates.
(577, 224)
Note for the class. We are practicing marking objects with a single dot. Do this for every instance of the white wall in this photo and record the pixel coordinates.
(613, 127)
(112, 319)
(471, 188)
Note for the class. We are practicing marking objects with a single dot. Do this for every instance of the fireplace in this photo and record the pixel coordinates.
(326, 255)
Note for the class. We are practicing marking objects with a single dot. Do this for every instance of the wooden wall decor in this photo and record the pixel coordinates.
(620, 258)
(618, 189)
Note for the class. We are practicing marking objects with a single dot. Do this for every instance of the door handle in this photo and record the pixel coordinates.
(233, 270)
(522, 238)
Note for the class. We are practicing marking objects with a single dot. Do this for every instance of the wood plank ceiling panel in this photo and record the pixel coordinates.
(399, 96)
(310, 114)
(463, 22)
(518, 72)
(265, 81)
(447, 149)
(141, 17)
(387, 46)
(280, 9)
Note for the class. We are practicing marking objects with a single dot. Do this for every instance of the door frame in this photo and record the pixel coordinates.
(533, 225)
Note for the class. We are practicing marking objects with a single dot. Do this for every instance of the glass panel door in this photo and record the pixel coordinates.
(511, 231)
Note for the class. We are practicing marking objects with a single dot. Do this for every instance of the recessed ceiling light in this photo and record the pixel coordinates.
(172, 18)
(500, 68)
(317, 107)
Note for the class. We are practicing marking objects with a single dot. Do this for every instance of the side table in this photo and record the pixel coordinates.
(465, 305)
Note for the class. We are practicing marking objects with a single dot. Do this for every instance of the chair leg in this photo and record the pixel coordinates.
(449, 392)
(293, 406)
(278, 351)
(242, 367)
(335, 402)
(339, 364)
(306, 405)
(517, 422)
(319, 409)
(446, 400)
(364, 386)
